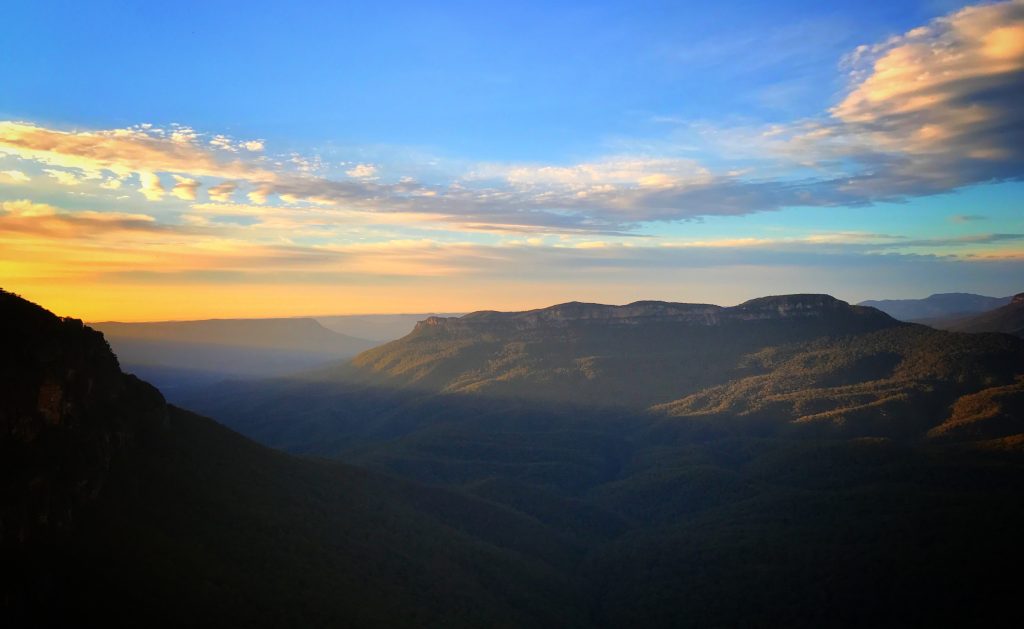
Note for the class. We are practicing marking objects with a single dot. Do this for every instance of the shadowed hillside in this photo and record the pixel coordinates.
(120, 510)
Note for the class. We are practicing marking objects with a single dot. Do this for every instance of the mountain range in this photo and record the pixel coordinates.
(792, 461)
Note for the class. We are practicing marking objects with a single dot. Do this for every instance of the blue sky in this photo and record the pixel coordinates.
(455, 156)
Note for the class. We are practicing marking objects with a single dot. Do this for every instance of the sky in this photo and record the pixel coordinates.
(281, 159)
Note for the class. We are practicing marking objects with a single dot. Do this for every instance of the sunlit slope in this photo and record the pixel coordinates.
(899, 382)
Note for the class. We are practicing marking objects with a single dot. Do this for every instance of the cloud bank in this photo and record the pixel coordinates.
(928, 111)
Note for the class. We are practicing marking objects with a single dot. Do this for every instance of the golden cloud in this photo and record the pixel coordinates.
(954, 84)
(124, 152)
(184, 188)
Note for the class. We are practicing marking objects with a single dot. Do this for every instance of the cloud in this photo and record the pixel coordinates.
(967, 218)
(122, 151)
(362, 171)
(150, 186)
(606, 175)
(115, 257)
(14, 176)
(928, 111)
(63, 177)
(24, 217)
(933, 109)
(260, 193)
(222, 192)
(184, 188)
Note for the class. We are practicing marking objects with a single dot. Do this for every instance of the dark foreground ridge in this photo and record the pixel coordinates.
(119, 510)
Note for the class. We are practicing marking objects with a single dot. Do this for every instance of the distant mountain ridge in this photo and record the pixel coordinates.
(939, 305)
(180, 354)
(1008, 319)
(294, 334)
(635, 355)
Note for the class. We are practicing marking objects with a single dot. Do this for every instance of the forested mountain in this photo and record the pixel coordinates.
(938, 306)
(494, 505)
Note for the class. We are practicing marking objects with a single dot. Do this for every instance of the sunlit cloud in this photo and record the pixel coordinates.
(222, 192)
(362, 171)
(184, 188)
(63, 177)
(122, 151)
(13, 176)
(28, 218)
(150, 186)
(930, 110)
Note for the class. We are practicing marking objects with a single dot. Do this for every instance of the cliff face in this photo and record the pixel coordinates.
(65, 411)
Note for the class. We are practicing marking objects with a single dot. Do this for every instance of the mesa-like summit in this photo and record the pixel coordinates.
(791, 461)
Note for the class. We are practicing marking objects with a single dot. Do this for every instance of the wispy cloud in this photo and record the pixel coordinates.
(967, 218)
